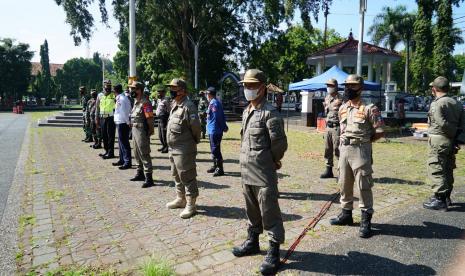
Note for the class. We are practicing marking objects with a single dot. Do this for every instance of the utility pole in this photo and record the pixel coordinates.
(326, 12)
(363, 8)
(132, 41)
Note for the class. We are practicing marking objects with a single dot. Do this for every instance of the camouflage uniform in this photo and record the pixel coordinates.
(202, 109)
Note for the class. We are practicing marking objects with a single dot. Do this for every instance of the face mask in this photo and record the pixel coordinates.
(173, 94)
(351, 93)
(331, 90)
(94, 96)
(250, 94)
(133, 94)
(107, 89)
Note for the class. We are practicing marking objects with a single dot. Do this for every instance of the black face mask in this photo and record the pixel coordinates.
(133, 94)
(94, 96)
(350, 93)
(173, 94)
(107, 89)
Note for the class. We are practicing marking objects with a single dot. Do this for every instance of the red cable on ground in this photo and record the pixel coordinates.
(313, 222)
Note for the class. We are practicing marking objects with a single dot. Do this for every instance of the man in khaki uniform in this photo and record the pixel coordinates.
(263, 144)
(332, 103)
(183, 135)
(360, 126)
(446, 119)
(142, 129)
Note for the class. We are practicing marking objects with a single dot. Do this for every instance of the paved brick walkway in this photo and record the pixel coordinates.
(84, 212)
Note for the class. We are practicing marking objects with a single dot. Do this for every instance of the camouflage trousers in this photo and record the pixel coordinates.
(441, 164)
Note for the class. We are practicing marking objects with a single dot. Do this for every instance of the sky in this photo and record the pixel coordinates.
(43, 19)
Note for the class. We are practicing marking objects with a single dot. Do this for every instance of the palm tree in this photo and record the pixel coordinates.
(392, 26)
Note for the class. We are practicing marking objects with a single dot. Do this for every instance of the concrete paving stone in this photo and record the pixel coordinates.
(43, 229)
(43, 259)
(205, 262)
(223, 256)
(42, 250)
(186, 268)
(40, 222)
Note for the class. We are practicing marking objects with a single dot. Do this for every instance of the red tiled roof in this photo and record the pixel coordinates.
(350, 46)
(36, 68)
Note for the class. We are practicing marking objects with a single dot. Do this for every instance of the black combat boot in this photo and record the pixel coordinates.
(328, 173)
(139, 176)
(448, 201)
(148, 181)
(219, 169)
(365, 225)
(344, 218)
(212, 168)
(271, 263)
(249, 247)
(437, 202)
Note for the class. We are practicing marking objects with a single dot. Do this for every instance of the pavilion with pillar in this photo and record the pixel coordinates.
(376, 61)
(376, 67)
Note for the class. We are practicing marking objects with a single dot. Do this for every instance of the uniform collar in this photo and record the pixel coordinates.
(360, 103)
(437, 98)
(258, 107)
(182, 103)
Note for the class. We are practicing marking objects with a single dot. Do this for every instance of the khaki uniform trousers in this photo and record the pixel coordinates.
(355, 169)
(141, 146)
(441, 163)
(184, 171)
(263, 212)
(331, 145)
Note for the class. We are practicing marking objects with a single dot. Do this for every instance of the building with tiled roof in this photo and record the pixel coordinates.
(36, 68)
(376, 61)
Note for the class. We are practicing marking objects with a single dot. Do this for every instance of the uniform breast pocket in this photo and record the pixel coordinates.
(258, 138)
(359, 119)
(175, 126)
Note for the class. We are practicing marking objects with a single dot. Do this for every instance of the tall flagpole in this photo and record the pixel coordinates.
(132, 40)
(363, 8)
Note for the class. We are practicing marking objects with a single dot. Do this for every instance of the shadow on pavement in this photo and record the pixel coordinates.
(226, 161)
(391, 180)
(429, 230)
(354, 263)
(305, 196)
(232, 174)
(162, 168)
(457, 207)
(234, 213)
(209, 185)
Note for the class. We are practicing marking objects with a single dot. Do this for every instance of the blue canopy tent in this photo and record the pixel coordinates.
(318, 83)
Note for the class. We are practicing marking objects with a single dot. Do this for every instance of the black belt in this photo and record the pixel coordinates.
(332, 124)
(352, 141)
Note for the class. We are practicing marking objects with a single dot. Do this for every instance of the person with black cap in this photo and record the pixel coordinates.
(216, 125)
(122, 122)
(86, 125)
(162, 112)
(142, 129)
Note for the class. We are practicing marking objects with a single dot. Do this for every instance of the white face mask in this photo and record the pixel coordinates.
(331, 89)
(250, 94)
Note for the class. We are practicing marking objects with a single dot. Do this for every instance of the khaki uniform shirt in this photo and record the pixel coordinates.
(183, 131)
(138, 118)
(332, 104)
(263, 144)
(359, 124)
(446, 117)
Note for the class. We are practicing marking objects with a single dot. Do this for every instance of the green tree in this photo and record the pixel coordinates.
(392, 26)
(45, 78)
(284, 57)
(443, 40)
(78, 72)
(165, 28)
(15, 69)
(422, 35)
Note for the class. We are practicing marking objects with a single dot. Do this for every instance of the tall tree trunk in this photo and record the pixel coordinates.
(407, 61)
